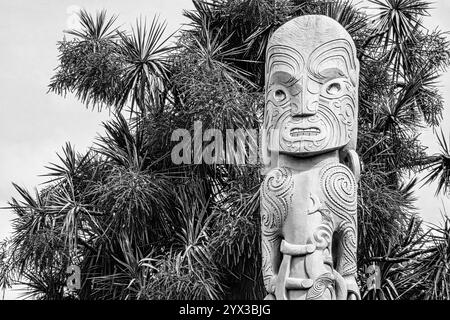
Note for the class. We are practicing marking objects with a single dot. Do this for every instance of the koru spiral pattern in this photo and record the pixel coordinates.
(321, 284)
(276, 198)
(339, 186)
(340, 189)
(277, 194)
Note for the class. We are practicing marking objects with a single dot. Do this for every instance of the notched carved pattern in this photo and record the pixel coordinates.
(276, 196)
(321, 285)
(283, 55)
(276, 199)
(324, 233)
(267, 268)
(332, 63)
(336, 53)
(339, 186)
(347, 262)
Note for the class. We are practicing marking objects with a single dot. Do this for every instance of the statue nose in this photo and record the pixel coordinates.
(304, 107)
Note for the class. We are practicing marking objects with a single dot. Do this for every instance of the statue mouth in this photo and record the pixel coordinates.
(298, 132)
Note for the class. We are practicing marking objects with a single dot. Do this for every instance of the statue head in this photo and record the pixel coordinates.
(312, 76)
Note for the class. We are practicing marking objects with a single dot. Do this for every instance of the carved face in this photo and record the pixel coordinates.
(311, 87)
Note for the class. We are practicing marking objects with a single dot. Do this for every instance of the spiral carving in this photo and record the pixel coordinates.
(347, 262)
(277, 197)
(321, 284)
(339, 187)
(324, 233)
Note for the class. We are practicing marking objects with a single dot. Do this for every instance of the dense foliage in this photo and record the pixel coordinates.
(141, 227)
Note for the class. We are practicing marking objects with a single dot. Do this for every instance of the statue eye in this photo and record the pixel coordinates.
(279, 95)
(333, 88)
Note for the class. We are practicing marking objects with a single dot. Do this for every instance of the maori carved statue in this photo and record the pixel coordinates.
(309, 192)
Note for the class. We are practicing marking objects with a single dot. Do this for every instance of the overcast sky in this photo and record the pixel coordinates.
(35, 124)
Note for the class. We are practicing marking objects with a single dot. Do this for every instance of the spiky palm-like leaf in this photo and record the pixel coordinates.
(95, 29)
(145, 67)
(344, 12)
(214, 53)
(397, 19)
(396, 266)
(433, 268)
(439, 166)
(398, 22)
(89, 66)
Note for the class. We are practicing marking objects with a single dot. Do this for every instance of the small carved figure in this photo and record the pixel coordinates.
(309, 194)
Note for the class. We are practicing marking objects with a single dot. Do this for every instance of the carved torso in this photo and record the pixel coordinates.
(300, 217)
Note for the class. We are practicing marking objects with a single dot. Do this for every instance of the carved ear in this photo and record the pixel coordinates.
(351, 159)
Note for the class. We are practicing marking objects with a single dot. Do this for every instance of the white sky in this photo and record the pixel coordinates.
(34, 124)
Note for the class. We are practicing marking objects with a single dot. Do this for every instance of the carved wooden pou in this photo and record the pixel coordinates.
(309, 194)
